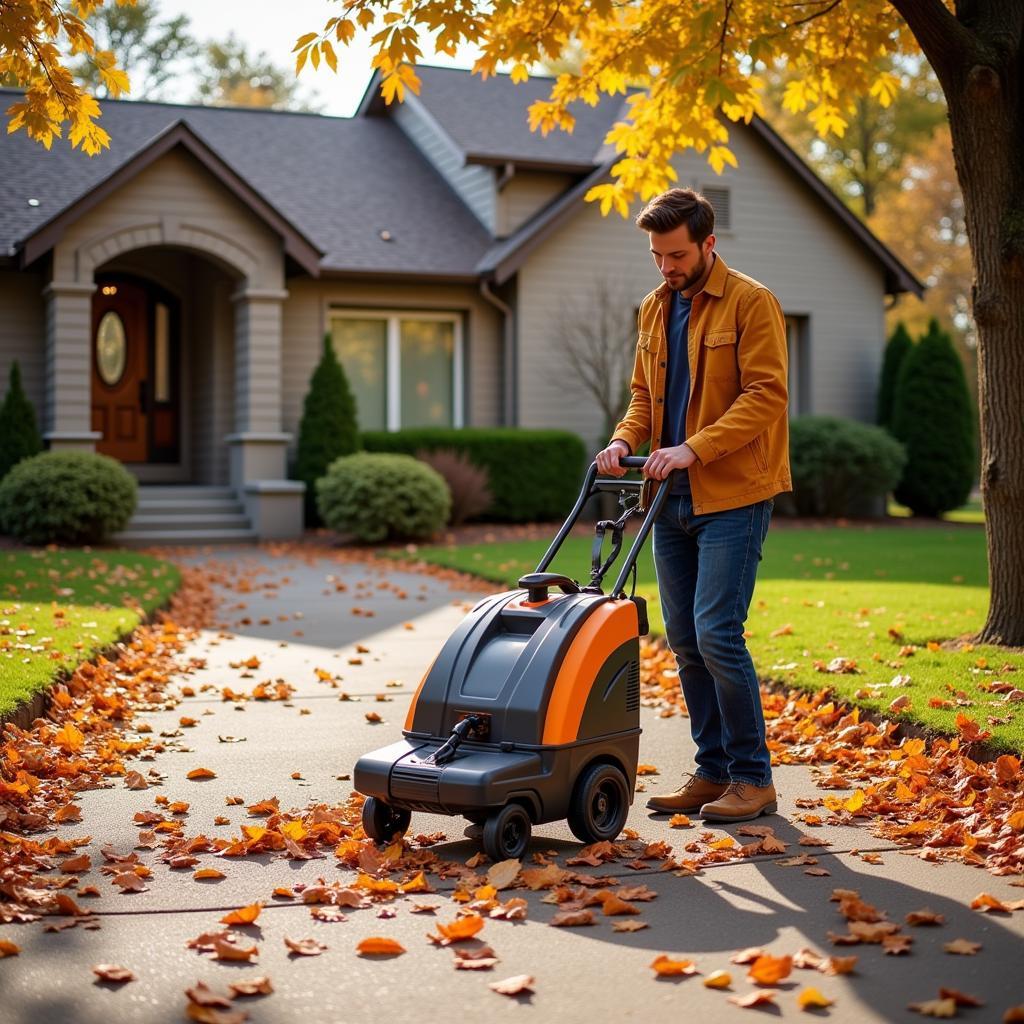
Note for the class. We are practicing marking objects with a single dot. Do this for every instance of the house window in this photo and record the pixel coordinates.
(797, 332)
(719, 200)
(405, 369)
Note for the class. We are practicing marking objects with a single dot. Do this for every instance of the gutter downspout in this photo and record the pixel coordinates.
(508, 353)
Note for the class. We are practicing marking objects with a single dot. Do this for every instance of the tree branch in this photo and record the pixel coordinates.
(946, 43)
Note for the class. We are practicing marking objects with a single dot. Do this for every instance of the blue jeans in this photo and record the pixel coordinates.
(706, 567)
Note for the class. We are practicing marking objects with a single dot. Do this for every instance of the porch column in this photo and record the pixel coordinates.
(67, 416)
(259, 446)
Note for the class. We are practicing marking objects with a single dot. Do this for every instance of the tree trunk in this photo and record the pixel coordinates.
(985, 92)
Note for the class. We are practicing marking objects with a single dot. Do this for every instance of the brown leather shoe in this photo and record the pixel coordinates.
(689, 798)
(741, 802)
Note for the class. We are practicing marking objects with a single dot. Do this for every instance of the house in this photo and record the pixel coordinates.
(167, 299)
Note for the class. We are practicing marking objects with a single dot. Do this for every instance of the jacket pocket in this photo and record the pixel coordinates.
(760, 459)
(647, 340)
(720, 358)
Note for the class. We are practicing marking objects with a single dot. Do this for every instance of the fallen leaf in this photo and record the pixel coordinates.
(260, 986)
(667, 967)
(833, 965)
(926, 916)
(208, 873)
(305, 947)
(202, 995)
(963, 947)
(614, 906)
(767, 970)
(201, 773)
(482, 959)
(755, 998)
(629, 926)
(503, 874)
(960, 998)
(459, 930)
(935, 1008)
(111, 972)
(244, 915)
(572, 918)
(811, 998)
(223, 950)
(513, 986)
(718, 979)
(747, 956)
(379, 946)
(679, 821)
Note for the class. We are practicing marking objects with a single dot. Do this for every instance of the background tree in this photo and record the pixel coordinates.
(932, 416)
(866, 163)
(155, 50)
(896, 351)
(19, 435)
(229, 75)
(596, 338)
(328, 427)
(923, 222)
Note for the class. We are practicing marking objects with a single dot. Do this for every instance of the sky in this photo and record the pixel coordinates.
(274, 27)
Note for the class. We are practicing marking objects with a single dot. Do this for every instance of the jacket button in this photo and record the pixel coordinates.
(662, 364)
(660, 401)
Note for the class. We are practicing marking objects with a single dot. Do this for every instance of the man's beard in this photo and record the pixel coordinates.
(691, 279)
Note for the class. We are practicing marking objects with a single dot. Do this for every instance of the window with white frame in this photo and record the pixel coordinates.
(405, 369)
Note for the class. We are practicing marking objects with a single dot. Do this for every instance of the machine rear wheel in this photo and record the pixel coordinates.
(599, 805)
(381, 821)
(507, 833)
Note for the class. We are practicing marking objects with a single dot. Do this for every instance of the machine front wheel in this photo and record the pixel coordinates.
(507, 833)
(381, 821)
(599, 805)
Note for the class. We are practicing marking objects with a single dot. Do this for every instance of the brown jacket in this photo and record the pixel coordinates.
(737, 421)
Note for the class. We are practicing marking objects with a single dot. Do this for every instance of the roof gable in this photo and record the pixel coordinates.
(178, 134)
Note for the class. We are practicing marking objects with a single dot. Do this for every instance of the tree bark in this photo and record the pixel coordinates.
(978, 60)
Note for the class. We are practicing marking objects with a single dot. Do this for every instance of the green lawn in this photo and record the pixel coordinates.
(58, 608)
(863, 593)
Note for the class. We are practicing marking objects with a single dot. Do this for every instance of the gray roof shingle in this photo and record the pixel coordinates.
(487, 119)
(340, 181)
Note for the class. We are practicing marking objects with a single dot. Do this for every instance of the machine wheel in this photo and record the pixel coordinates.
(599, 805)
(506, 833)
(381, 821)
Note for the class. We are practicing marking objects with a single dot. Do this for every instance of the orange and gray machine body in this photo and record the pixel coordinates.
(553, 682)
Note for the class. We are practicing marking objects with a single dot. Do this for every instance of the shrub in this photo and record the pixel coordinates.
(836, 463)
(895, 352)
(327, 429)
(534, 475)
(19, 436)
(381, 497)
(467, 483)
(66, 498)
(933, 417)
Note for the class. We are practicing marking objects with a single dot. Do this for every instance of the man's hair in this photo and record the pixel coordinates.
(679, 206)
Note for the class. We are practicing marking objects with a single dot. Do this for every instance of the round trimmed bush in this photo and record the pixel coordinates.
(66, 498)
(839, 463)
(378, 497)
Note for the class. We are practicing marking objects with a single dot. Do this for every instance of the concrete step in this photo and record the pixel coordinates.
(170, 519)
(196, 535)
(206, 506)
(177, 492)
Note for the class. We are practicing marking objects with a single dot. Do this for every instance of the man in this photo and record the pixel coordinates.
(709, 392)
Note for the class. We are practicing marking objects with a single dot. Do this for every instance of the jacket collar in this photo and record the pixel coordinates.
(715, 284)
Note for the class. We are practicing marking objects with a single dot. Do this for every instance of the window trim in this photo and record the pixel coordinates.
(393, 353)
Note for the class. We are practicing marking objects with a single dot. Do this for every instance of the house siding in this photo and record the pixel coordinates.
(781, 235)
(305, 318)
(472, 182)
(23, 335)
(525, 195)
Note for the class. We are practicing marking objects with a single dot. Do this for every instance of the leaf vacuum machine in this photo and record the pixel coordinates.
(530, 712)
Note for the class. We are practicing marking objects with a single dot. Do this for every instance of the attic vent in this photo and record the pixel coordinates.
(719, 200)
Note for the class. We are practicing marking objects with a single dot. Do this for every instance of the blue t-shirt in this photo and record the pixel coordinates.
(677, 383)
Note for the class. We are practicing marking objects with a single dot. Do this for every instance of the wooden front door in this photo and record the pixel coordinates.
(120, 369)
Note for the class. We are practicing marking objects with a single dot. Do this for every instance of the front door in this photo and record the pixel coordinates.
(120, 369)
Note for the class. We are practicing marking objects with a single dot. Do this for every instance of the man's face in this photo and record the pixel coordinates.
(682, 261)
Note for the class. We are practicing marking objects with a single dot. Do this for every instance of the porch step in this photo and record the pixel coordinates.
(170, 514)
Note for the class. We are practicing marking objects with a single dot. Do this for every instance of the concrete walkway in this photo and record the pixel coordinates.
(590, 974)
